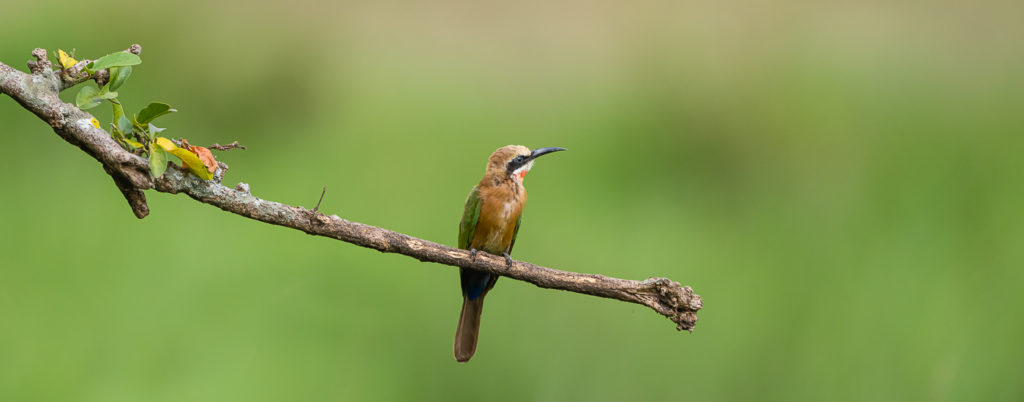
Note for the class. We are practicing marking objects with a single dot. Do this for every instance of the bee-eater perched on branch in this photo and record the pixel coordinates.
(490, 223)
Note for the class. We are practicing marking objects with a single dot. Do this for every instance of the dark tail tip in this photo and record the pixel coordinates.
(469, 329)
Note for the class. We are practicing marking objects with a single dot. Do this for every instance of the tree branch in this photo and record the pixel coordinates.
(37, 92)
(227, 147)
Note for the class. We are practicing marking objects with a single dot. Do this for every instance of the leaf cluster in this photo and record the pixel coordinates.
(137, 131)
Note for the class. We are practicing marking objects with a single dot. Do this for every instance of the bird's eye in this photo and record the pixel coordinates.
(519, 158)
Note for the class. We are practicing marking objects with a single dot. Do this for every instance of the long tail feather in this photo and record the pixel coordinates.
(469, 328)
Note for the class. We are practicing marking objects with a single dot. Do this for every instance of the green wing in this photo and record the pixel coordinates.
(470, 217)
(515, 233)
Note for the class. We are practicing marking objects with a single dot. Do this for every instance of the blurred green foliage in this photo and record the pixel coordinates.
(840, 182)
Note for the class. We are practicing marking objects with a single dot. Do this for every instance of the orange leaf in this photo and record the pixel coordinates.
(204, 155)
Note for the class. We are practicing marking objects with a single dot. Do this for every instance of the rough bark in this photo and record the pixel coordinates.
(37, 92)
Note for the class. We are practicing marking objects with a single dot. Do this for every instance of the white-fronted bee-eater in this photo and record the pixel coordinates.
(490, 223)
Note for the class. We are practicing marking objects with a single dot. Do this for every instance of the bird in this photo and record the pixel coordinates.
(490, 223)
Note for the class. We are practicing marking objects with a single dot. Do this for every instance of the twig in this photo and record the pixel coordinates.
(226, 147)
(317, 207)
(38, 93)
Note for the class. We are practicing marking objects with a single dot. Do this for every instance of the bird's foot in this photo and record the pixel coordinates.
(472, 254)
(508, 259)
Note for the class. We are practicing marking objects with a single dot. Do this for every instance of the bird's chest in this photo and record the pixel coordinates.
(497, 225)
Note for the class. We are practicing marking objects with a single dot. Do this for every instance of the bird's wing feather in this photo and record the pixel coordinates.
(470, 217)
(515, 233)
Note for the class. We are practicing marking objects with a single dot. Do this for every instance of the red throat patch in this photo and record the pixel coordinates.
(522, 174)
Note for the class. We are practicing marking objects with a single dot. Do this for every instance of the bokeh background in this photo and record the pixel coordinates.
(841, 182)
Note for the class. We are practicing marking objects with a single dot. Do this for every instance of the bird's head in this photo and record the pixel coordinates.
(514, 161)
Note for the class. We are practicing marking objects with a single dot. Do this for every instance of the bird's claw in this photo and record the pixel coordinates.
(472, 254)
(508, 259)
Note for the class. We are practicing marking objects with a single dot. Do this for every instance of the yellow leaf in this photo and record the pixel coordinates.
(95, 123)
(166, 144)
(134, 144)
(188, 158)
(65, 60)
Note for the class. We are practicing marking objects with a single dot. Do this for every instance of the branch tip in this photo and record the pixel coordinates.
(135, 197)
(102, 77)
(41, 63)
(227, 147)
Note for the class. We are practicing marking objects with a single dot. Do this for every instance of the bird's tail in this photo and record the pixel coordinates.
(469, 328)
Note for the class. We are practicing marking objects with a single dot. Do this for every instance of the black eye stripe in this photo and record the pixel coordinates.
(516, 163)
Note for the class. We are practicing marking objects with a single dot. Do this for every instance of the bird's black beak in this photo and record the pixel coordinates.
(534, 154)
(523, 160)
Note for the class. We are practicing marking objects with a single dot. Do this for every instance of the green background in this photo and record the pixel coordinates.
(840, 182)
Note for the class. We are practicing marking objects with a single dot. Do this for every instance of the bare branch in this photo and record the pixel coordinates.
(37, 92)
(227, 147)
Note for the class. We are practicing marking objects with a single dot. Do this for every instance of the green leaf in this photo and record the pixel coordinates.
(124, 125)
(118, 111)
(86, 98)
(154, 130)
(118, 76)
(115, 60)
(152, 111)
(138, 127)
(104, 94)
(157, 160)
(118, 115)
